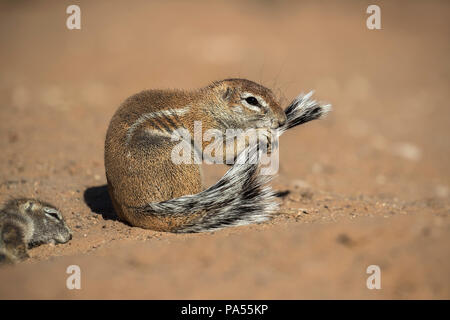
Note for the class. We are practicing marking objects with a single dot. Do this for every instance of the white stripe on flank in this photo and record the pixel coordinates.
(154, 132)
(152, 115)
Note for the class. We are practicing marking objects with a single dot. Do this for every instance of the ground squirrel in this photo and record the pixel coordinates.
(149, 190)
(26, 223)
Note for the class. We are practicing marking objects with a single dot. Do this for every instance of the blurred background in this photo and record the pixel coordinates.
(383, 152)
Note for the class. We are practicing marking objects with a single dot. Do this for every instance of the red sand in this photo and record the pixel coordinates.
(369, 185)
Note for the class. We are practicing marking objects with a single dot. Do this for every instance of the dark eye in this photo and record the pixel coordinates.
(252, 101)
(50, 212)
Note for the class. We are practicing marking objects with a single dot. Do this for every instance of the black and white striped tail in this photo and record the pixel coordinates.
(301, 110)
(241, 196)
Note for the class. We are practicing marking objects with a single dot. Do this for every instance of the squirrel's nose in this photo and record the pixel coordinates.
(279, 121)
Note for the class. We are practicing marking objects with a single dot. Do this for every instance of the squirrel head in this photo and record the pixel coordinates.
(48, 225)
(247, 104)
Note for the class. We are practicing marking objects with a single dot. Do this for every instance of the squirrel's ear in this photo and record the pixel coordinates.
(227, 94)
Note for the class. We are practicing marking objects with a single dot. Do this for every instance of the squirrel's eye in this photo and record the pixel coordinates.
(53, 213)
(252, 101)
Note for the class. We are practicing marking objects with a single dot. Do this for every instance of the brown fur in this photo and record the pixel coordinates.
(140, 171)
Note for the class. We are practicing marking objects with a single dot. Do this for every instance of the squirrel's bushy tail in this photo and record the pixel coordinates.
(241, 196)
(301, 110)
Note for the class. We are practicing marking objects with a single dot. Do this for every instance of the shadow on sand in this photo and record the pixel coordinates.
(97, 198)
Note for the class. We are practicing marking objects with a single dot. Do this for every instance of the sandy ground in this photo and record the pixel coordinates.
(368, 186)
